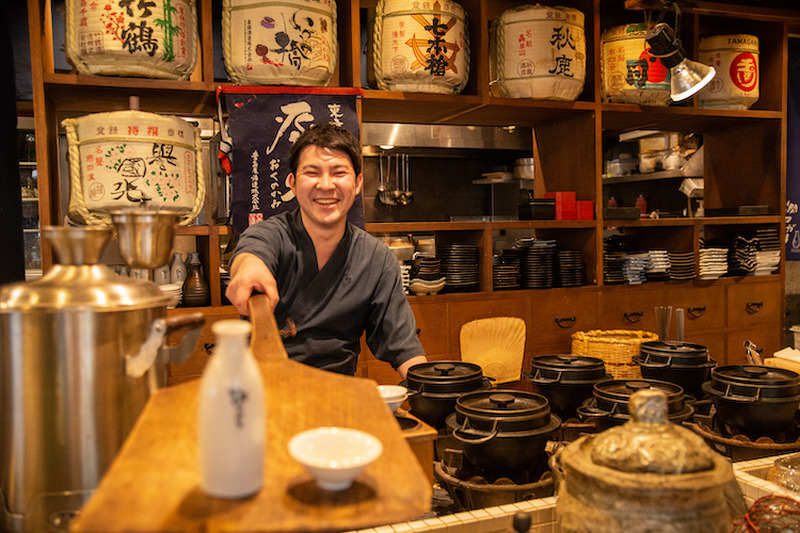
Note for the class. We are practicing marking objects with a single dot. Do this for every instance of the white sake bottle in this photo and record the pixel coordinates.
(231, 416)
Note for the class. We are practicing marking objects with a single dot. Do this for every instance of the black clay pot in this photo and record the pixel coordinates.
(434, 387)
(682, 363)
(566, 380)
(757, 400)
(608, 405)
(503, 430)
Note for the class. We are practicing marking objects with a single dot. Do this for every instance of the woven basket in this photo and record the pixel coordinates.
(616, 347)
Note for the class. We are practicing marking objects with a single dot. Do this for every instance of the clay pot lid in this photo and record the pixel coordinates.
(649, 443)
(754, 380)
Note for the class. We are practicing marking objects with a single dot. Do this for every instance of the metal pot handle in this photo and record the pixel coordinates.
(545, 381)
(740, 398)
(137, 365)
(480, 440)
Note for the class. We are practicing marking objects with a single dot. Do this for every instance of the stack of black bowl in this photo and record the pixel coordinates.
(681, 363)
(566, 380)
(755, 400)
(503, 431)
(434, 387)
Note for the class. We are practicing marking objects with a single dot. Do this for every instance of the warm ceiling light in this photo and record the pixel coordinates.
(686, 77)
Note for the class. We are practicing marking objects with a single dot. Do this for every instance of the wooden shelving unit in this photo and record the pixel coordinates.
(745, 163)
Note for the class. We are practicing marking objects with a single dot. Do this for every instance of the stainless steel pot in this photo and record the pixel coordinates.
(81, 352)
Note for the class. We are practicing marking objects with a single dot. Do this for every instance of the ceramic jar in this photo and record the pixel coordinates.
(196, 291)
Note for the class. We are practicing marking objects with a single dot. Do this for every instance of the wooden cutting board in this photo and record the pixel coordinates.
(153, 483)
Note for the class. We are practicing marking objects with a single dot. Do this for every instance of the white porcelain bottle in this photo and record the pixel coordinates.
(231, 416)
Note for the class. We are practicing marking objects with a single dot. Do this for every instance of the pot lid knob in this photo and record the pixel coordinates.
(501, 400)
(444, 369)
(567, 359)
(648, 442)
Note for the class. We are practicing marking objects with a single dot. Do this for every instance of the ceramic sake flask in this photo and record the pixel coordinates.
(538, 51)
(141, 38)
(231, 416)
(418, 46)
(736, 60)
(628, 71)
(123, 159)
(280, 42)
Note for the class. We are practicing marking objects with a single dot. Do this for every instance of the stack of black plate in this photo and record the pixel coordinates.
(681, 266)
(768, 239)
(459, 265)
(538, 270)
(570, 268)
(427, 268)
(506, 270)
(612, 268)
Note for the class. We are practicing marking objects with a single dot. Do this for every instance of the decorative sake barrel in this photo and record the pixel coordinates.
(129, 158)
(280, 42)
(630, 74)
(133, 38)
(736, 60)
(418, 46)
(538, 51)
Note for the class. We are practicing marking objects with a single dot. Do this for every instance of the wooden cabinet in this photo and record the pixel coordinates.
(745, 164)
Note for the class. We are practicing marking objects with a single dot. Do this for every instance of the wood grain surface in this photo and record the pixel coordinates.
(153, 484)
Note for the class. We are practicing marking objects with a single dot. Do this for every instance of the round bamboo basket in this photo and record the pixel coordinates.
(616, 347)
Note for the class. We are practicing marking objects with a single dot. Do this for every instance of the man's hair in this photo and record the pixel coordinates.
(327, 135)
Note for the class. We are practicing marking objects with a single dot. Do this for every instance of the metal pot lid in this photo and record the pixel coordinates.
(507, 409)
(92, 287)
(566, 368)
(754, 380)
(445, 377)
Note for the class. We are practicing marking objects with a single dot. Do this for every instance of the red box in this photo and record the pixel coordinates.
(585, 210)
(566, 205)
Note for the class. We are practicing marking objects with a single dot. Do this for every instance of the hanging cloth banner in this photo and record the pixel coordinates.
(263, 123)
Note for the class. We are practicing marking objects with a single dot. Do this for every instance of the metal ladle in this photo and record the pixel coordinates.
(386, 197)
(407, 195)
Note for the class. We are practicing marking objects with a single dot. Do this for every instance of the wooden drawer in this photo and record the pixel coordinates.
(559, 313)
(704, 308)
(755, 303)
(715, 342)
(629, 308)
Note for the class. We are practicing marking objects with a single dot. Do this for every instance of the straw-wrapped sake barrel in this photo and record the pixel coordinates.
(538, 51)
(736, 60)
(280, 42)
(418, 46)
(630, 74)
(132, 38)
(126, 158)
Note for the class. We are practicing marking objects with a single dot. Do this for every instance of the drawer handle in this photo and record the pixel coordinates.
(696, 312)
(565, 323)
(634, 317)
(754, 307)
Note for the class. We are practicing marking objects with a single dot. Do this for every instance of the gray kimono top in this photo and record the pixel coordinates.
(359, 289)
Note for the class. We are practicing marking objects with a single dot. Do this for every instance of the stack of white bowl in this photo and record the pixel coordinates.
(393, 395)
(175, 291)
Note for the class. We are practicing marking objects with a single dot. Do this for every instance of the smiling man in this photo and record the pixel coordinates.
(332, 279)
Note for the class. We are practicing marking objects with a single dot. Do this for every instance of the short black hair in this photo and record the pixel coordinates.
(327, 135)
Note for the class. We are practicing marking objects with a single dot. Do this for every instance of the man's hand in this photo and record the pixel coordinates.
(249, 274)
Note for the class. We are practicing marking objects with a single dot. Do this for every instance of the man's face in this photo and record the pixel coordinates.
(326, 186)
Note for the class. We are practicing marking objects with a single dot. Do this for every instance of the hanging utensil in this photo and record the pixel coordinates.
(386, 197)
(407, 195)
